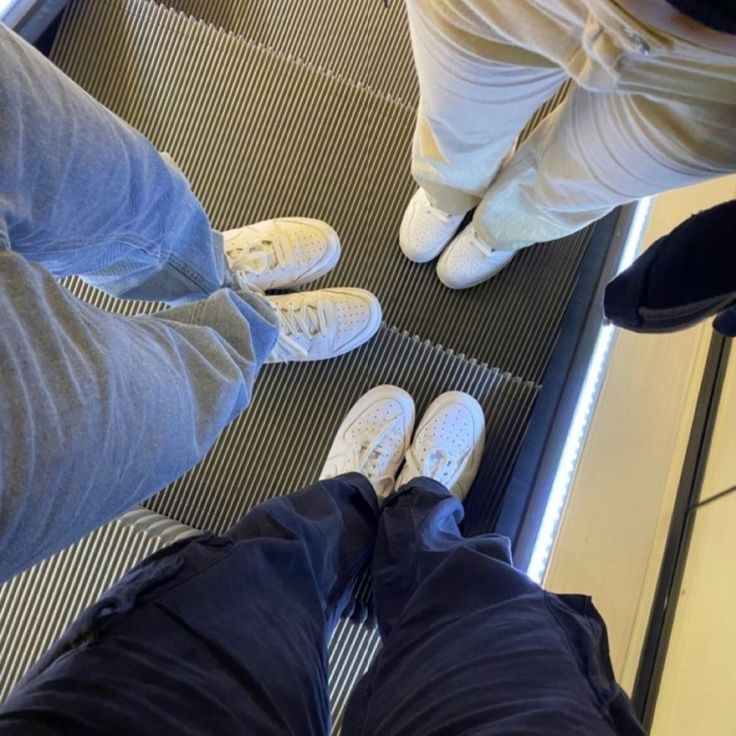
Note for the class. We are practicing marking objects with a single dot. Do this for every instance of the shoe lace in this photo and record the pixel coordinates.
(437, 464)
(255, 257)
(374, 450)
(372, 455)
(306, 319)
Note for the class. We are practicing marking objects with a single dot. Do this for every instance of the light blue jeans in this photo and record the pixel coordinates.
(99, 411)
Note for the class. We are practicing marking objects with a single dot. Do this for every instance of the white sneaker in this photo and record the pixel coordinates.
(425, 230)
(469, 261)
(316, 325)
(282, 253)
(448, 444)
(373, 438)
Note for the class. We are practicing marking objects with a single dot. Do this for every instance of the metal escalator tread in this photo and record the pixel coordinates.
(352, 40)
(262, 134)
(281, 442)
(366, 43)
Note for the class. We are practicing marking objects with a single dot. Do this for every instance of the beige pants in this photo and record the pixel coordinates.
(647, 112)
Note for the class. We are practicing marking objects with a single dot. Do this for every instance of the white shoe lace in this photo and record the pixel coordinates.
(367, 457)
(484, 248)
(489, 254)
(437, 464)
(254, 258)
(306, 319)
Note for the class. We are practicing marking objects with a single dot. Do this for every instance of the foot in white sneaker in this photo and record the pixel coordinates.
(469, 261)
(425, 230)
(282, 253)
(448, 444)
(316, 325)
(373, 438)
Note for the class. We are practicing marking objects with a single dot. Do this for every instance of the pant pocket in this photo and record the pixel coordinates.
(148, 576)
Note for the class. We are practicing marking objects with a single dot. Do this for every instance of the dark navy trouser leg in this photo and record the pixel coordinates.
(215, 635)
(472, 645)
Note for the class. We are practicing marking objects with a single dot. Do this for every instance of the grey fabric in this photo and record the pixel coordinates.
(99, 411)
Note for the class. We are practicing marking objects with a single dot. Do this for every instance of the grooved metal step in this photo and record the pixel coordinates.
(281, 442)
(246, 465)
(351, 40)
(260, 134)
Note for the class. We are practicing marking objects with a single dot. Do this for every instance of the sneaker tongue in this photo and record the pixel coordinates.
(257, 257)
(437, 463)
(310, 315)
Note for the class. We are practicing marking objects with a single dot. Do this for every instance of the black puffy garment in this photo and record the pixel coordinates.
(717, 14)
(683, 278)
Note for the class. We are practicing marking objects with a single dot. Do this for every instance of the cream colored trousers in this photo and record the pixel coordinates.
(647, 113)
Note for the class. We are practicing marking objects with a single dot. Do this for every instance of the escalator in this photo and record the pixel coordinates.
(298, 107)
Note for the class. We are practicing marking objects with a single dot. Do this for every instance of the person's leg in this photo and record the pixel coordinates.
(597, 151)
(100, 411)
(83, 193)
(478, 91)
(594, 152)
(215, 635)
(472, 645)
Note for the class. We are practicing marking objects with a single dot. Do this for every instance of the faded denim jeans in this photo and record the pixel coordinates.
(100, 411)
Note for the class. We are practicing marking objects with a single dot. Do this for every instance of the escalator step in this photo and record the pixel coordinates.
(366, 42)
(260, 134)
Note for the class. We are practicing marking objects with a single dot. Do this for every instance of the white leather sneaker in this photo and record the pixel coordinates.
(373, 438)
(425, 230)
(317, 325)
(281, 254)
(448, 444)
(469, 261)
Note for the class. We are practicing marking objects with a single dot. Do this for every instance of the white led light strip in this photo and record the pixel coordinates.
(583, 411)
(4, 7)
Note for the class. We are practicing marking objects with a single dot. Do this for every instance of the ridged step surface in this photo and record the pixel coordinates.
(246, 465)
(261, 134)
(364, 42)
(280, 444)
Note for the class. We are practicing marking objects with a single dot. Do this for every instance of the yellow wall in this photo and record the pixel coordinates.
(614, 529)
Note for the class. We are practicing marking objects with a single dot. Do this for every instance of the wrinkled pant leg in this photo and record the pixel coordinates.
(99, 411)
(84, 194)
(472, 645)
(477, 92)
(215, 635)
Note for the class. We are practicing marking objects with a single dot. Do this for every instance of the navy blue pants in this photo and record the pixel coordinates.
(228, 635)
